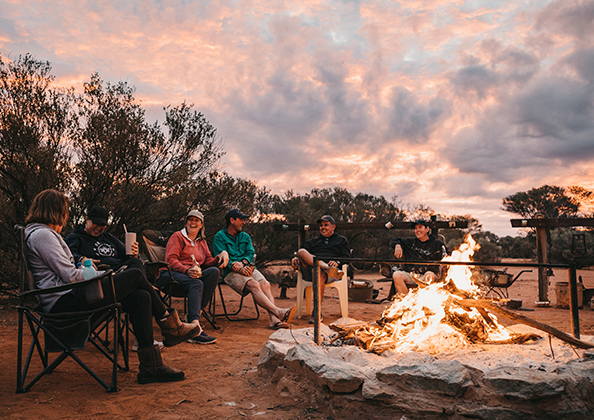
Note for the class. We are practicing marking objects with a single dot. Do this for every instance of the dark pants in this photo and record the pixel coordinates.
(130, 263)
(199, 290)
(138, 298)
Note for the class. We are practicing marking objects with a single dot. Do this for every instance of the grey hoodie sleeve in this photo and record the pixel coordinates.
(51, 261)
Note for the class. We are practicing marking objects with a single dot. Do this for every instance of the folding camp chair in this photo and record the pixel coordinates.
(155, 245)
(64, 333)
(226, 313)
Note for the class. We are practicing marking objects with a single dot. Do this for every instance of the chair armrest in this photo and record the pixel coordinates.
(68, 286)
(152, 268)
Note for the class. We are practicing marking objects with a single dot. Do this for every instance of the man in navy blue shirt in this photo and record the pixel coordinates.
(329, 246)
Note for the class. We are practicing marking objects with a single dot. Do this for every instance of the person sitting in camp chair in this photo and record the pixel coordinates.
(194, 268)
(329, 245)
(52, 264)
(90, 241)
(241, 274)
(423, 247)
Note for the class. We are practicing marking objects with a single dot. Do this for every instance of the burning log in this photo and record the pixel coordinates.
(474, 303)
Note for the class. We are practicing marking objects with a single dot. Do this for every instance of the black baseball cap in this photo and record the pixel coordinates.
(235, 214)
(327, 219)
(422, 222)
(98, 215)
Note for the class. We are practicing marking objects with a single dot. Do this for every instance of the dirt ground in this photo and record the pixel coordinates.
(221, 380)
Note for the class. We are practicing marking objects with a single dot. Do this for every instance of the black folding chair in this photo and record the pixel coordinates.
(227, 314)
(155, 245)
(64, 333)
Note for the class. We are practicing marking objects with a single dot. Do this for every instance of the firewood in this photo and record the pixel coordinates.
(517, 339)
(475, 303)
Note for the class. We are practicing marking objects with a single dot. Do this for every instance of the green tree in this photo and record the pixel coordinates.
(518, 246)
(36, 122)
(548, 201)
(147, 176)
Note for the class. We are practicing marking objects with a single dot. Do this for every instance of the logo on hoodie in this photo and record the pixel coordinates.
(104, 249)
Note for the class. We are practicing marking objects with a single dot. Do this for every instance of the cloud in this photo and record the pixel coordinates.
(446, 103)
(475, 79)
(548, 125)
(582, 61)
(411, 120)
(288, 108)
(572, 18)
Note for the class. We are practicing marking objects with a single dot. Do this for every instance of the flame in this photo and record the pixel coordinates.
(427, 318)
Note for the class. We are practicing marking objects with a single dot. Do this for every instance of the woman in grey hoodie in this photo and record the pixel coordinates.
(52, 264)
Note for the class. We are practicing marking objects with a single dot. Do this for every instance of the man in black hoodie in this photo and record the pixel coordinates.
(329, 246)
(90, 241)
(423, 247)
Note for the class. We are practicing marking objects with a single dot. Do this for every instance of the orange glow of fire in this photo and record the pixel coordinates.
(416, 321)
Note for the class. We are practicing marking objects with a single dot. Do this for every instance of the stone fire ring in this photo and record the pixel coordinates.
(480, 381)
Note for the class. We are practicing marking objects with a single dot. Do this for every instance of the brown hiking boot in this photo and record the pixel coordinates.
(174, 331)
(152, 369)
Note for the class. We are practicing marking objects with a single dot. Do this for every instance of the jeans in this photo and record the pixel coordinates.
(133, 291)
(199, 290)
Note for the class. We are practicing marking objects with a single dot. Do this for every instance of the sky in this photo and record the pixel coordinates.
(450, 104)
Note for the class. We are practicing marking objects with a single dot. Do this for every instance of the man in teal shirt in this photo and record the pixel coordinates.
(241, 273)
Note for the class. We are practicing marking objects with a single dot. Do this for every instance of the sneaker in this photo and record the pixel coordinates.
(203, 338)
(155, 343)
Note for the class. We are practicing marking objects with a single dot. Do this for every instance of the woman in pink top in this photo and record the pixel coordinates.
(193, 266)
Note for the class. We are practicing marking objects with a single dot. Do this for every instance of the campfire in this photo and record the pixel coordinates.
(391, 367)
(434, 317)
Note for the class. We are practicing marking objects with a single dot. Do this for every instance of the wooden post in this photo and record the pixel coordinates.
(317, 300)
(573, 301)
(541, 251)
(300, 234)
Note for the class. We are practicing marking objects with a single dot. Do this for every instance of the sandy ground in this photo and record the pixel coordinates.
(222, 380)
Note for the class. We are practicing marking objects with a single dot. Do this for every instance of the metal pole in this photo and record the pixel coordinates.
(315, 284)
(573, 301)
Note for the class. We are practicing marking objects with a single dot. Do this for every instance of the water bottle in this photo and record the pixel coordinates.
(93, 291)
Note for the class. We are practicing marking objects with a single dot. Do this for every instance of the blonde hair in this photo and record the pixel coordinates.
(49, 207)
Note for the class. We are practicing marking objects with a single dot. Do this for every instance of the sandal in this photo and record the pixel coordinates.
(279, 325)
(289, 315)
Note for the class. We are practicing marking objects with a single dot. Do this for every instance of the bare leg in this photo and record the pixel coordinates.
(276, 313)
(399, 278)
(307, 259)
(267, 290)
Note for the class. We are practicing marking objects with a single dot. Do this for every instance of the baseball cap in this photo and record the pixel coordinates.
(422, 222)
(235, 214)
(98, 215)
(195, 213)
(327, 219)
